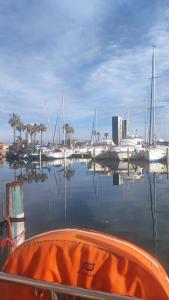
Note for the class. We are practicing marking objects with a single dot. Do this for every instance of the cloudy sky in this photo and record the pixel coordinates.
(98, 52)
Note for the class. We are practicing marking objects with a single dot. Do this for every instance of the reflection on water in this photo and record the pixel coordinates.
(120, 171)
(126, 200)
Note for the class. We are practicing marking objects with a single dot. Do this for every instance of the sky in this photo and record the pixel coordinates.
(97, 53)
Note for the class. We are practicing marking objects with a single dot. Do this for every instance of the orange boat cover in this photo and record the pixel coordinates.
(85, 259)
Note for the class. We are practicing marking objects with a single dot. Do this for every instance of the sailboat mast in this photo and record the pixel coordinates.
(96, 121)
(152, 104)
(93, 126)
(145, 121)
(64, 132)
(47, 111)
(153, 87)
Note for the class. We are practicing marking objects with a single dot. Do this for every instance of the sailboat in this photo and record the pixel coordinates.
(152, 152)
(100, 149)
(63, 151)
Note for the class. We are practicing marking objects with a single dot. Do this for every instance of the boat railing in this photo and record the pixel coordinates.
(57, 289)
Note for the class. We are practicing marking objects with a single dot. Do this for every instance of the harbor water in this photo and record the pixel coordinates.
(126, 200)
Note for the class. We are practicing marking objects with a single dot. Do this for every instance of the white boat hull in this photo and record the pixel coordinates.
(58, 154)
(152, 154)
(123, 154)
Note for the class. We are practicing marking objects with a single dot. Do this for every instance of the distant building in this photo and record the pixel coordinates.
(124, 128)
(119, 129)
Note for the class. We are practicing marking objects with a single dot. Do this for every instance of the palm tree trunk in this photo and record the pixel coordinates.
(14, 134)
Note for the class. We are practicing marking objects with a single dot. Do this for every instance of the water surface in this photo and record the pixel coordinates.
(128, 201)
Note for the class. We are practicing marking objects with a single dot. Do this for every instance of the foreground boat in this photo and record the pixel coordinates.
(81, 263)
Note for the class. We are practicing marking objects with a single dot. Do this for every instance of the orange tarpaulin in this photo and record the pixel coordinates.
(85, 259)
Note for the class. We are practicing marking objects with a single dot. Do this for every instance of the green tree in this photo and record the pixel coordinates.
(20, 127)
(42, 129)
(36, 129)
(68, 131)
(106, 135)
(14, 121)
(98, 136)
(29, 129)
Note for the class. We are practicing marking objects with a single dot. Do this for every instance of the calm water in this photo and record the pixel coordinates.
(127, 201)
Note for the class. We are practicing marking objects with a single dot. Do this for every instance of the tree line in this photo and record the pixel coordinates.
(31, 130)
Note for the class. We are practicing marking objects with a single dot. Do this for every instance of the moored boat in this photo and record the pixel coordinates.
(58, 153)
(151, 154)
(102, 149)
(128, 148)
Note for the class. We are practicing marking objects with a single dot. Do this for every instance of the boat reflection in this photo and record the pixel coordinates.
(120, 170)
(157, 167)
(126, 171)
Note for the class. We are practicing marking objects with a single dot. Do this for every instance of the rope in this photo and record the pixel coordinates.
(9, 239)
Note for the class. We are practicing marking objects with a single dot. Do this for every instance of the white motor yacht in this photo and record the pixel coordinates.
(102, 149)
(128, 148)
(151, 153)
(58, 153)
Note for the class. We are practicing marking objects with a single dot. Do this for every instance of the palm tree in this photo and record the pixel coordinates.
(20, 126)
(93, 134)
(98, 135)
(24, 128)
(14, 121)
(42, 128)
(106, 135)
(68, 131)
(29, 129)
(36, 129)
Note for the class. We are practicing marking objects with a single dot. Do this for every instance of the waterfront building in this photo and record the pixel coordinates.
(119, 129)
(124, 129)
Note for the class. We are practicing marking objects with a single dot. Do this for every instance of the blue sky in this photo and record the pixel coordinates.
(98, 52)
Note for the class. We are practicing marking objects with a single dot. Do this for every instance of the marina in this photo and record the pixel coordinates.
(74, 201)
(84, 150)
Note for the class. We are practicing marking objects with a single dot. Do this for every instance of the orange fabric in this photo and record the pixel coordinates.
(85, 259)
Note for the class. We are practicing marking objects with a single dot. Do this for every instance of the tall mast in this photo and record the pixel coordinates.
(145, 137)
(94, 126)
(152, 104)
(64, 133)
(153, 87)
(96, 123)
(47, 111)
